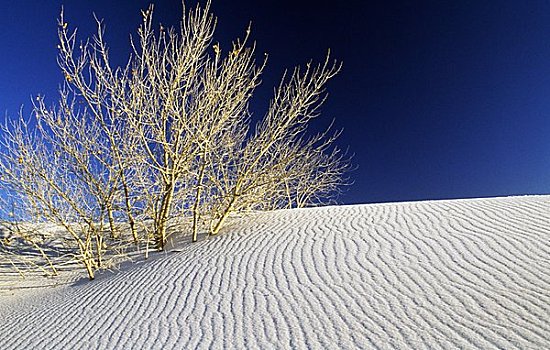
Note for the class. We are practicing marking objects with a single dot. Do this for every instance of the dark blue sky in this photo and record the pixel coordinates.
(437, 99)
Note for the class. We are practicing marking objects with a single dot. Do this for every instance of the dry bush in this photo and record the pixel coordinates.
(167, 136)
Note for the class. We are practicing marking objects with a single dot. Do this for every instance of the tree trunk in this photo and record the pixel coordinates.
(89, 267)
(163, 216)
(131, 220)
(214, 231)
(112, 228)
(197, 203)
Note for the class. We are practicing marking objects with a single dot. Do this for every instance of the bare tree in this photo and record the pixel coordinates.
(36, 173)
(97, 87)
(164, 81)
(277, 155)
(168, 136)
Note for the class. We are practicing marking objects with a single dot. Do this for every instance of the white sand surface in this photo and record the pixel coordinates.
(460, 274)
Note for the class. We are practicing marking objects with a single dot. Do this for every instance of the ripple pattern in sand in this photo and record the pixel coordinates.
(462, 274)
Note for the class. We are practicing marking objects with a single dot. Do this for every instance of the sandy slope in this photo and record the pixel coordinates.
(468, 274)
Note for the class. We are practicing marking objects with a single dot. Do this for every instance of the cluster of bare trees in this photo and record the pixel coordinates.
(128, 149)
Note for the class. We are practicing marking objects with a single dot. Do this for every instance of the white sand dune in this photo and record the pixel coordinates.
(461, 274)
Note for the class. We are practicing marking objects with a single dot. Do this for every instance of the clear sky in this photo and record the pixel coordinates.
(437, 99)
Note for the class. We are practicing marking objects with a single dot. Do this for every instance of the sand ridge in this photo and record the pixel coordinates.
(468, 274)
